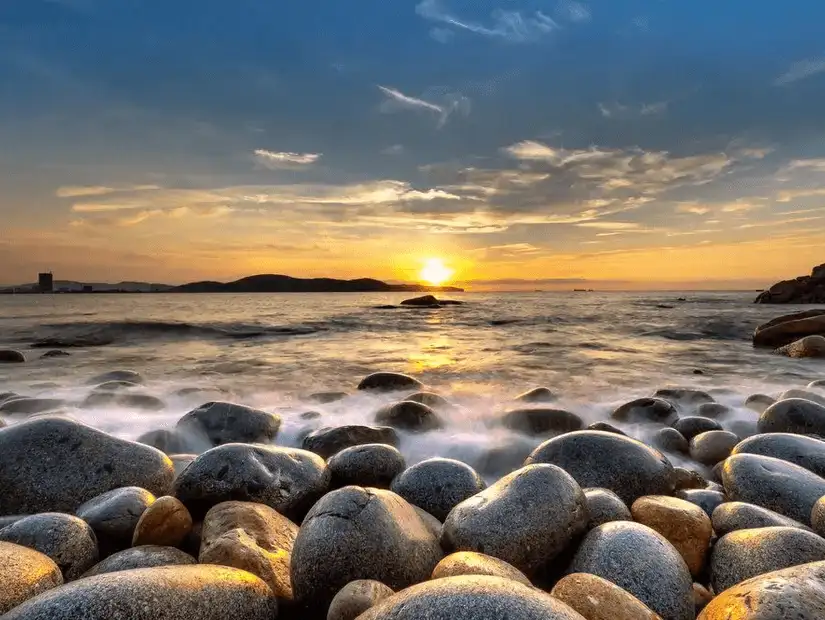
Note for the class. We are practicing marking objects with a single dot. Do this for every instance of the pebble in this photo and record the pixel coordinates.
(368, 465)
(165, 523)
(537, 395)
(389, 382)
(542, 421)
(324, 398)
(24, 405)
(146, 556)
(127, 400)
(114, 515)
(438, 485)
(712, 447)
(605, 506)
(712, 410)
(818, 516)
(759, 402)
(706, 499)
(670, 440)
(24, 573)
(688, 479)
(408, 415)
(327, 441)
(684, 397)
(794, 415)
(472, 563)
(173, 441)
(701, 597)
(181, 462)
(606, 427)
(691, 426)
(654, 410)
(801, 450)
(803, 394)
(432, 400)
(357, 597)
(599, 599)
(221, 423)
(732, 516)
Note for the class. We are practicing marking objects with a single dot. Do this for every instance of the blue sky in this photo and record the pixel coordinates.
(533, 139)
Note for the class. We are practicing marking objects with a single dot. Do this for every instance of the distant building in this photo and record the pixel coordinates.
(45, 282)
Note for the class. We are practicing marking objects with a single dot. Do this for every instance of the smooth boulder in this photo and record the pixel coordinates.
(368, 465)
(408, 415)
(24, 405)
(684, 397)
(655, 410)
(542, 421)
(793, 415)
(669, 440)
(809, 346)
(328, 441)
(174, 441)
(114, 515)
(786, 329)
(691, 426)
(706, 499)
(165, 523)
(803, 394)
(712, 447)
(10, 356)
(759, 402)
(732, 516)
(438, 485)
(599, 599)
(357, 597)
(818, 516)
(145, 556)
(24, 573)
(472, 563)
(806, 452)
(605, 506)
(389, 382)
(221, 423)
(129, 376)
(537, 395)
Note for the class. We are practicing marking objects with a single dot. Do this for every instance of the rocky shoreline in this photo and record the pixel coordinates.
(802, 290)
(711, 517)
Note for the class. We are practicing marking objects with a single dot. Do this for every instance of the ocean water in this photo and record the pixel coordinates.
(595, 350)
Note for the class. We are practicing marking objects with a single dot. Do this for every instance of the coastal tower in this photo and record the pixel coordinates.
(45, 282)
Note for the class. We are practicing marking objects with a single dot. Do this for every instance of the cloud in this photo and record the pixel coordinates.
(395, 149)
(573, 11)
(508, 25)
(801, 70)
(619, 111)
(692, 208)
(817, 165)
(396, 100)
(610, 225)
(793, 194)
(277, 160)
(76, 191)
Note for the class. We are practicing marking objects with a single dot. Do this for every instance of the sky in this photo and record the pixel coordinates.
(525, 143)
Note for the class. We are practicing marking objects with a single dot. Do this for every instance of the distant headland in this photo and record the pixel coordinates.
(264, 283)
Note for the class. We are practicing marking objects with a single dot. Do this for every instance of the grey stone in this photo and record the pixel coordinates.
(606, 427)
(605, 506)
(432, 400)
(503, 457)
(806, 452)
(819, 399)
(607, 460)
(741, 428)
(688, 479)
(144, 556)
(127, 400)
(24, 405)
(67, 540)
(794, 415)
(356, 533)
(327, 441)
(286, 479)
(369, 465)
(221, 423)
(818, 516)
(537, 395)
(542, 421)
(115, 386)
(669, 440)
(706, 499)
(510, 519)
(24, 573)
(173, 441)
(641, 561)
(9, 356)
(687, 398)
(117, 375)
(694, 425)
(389, 382)
(357, 597)
(655, 410)
(712, 410)
(162, 593)
(114, 515)
(819, 383)
(712, 447)
(181, 461)
(472, 563)
(777, 485)
(732, 516)
(471, 597)
(438, 485)
(759, 402)
(57, 464)
(325, 398)
(408, 415)
(743, 554)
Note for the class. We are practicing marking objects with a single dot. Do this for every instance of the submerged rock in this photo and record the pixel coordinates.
(809, 346)
(328, 441)
(606, 427)
(438, 485)
(357, 597)
(409, 415)
(804, 394)
(472, 563)
(368, 465)
(117, 375)
(24, 573)
(599, 599)
(147, 556)
(325, 398)
(221, 423)
(389, 382)
(9, 356)
(165, 523)
(605, 506)
(114, 515)
(712, 410)
(128, 400)
(541, 421)
(655, 410)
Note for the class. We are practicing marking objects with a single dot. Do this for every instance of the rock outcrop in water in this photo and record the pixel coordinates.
(802, 290)
(789, 328)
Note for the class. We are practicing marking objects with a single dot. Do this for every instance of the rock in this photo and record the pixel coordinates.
(818, 516)
(732, 516)
(503, 457)
(598, 599)
(24, 573)
(537, 395)
(408, 415)
(712, 447)
(789, 328)
(605, 506)
(771, 483)
(471, 597)
(804, 451)
(809, 346)
(57, 464)
(252, 537)
(793, 415)
(706, 499)
(181, 462)
(325, 398)
(389, 382)
(67, 540)
(797, 592)
(510, 520)
(221, 423)
(369, 465)
(804, 394)
(115, 386)
(27, 406)
(541, 421)
(701, 597)
(684, 397)
(356, 533)
(173, 441)
(743, 554)
(128, 400)
(438, 485)
(691, 426)
(684, 524)
(819, 383)
(712, 410)
(641, 561)
(148, 556)
(310, 415)
(114, 515)
(117, 375)
(434, 401)
(598, 459)
(606, 427)
(472, 563)
(9, 356)
(424, 300)
(357, 597)
(801, 290)
(647, 410)
(759, 402)
(164, 523)
(286, 479)
(670, 440)
(688, 479)
(162, 593)
(55, 353)
(328, 441)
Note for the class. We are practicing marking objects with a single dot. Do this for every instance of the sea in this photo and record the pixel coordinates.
(595, 350)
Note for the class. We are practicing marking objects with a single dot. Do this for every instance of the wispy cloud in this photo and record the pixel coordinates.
(610, 225)
(396, 100)
(506, 24)
(817, 165)
(573, 11)
(692, 208)
(793, 194)
(284, 159)
(76, 191)
(622, 111)
(395, 149)
(801, 70)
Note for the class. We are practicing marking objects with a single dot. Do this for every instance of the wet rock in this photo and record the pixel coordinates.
(685, 525)
(793, 415)
(706, 499)
(606, 427)
(818, 516)
(598, 459)
(598, 599)
(701, 597)
(148, 556)
(369, 465)
(67, 540)
(537, 395)
(759, 402)
(509, 520)
(804, 451)
(128, 400)
(684, 397)
(732, 516)
(162, 593)
(688, 479)
(286, 479)
(438, 485)
(541, 421)
(115, 386)
(712, 410)
(117, 375)
(691, 426)
(114, 515)
(427, 301)
(310, 415)
(472, 563)
(432, 400)
(804, 394)
(324, 398)
(743, 554)
(357, 597)
(809, 346)
(24, 405)
(819, 383)
(181, 461)
(389, 382)
(24, 573)
(605, 506)
(771, 483)
(505, 457)
(252, 537)
(356, 533)
(164, 523)
(9, 356)
(670, 440)
(408, 415)
(797, 592)
(173, 441)
(221, 423)
(786, 329)
(712, 447)
(328, 441)
(642, 562)
(471, 597)
(57, 464)
(655, 410)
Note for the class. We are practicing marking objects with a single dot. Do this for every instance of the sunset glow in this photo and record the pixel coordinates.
(435, 272)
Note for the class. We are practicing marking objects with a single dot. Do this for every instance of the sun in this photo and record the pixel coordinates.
(435, 272)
